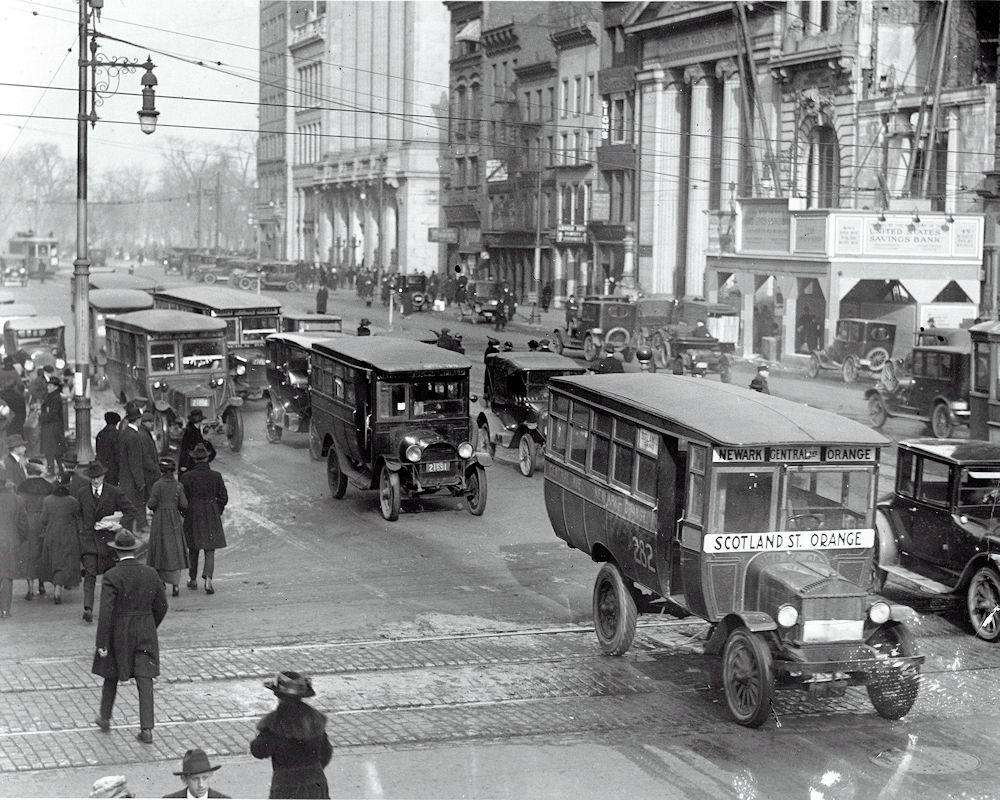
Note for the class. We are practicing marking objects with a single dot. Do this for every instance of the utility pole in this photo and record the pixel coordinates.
(537, 273)
(197, 229)
(218, 207)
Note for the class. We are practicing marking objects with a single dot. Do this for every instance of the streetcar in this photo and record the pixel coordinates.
(38, 256)
(750, 511)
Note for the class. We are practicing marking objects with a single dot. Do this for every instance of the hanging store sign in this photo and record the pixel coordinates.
(443, 235)
(571, 234)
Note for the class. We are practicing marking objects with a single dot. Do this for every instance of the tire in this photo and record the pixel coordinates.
(389, 494)
(877, 358)
(941, 425)
(315, 443)
(877, 413)
(874, 580)
(677, 366)
(527, 452)
(335, 478)
(234, 428)
(615, 613)
(981, 601)
(893, 689)
(162, 428)
(291, 286)
(890, 376)
(747, 677)
(558, 344)
(273, 431)
(475, 490)
(246, 284)
(483, 442)
(813, 369)
(849, 371)
(618, 337)
(661, 353)
(589, 348)
(210, 278)
(725, 372)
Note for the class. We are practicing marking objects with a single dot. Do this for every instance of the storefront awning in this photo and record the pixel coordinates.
(471, 32)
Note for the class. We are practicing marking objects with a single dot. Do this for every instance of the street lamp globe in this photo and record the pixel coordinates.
(148, 113)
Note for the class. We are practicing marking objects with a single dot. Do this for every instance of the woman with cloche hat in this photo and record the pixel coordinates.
(294, 737)
(167, 553)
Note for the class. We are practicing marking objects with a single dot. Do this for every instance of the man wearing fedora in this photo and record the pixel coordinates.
(97, 500)
(106, 446)
(196, 771)
(133, 604)
(207, 499)
(131, 477)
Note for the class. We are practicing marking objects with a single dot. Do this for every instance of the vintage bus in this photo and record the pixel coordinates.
(171, 363)
(106, 304)
(750, 511)
(122, 280)
(250, 318)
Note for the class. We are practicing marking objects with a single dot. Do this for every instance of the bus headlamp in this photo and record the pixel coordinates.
(60, 363)
(788, 616)
(879, 612)
(217, 381)
(29, 364)
(241, 369)
(465, 450)
(413, 452)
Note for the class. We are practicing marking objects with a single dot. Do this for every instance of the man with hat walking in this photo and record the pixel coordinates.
(106, 446)
(133, 604)
(98, 500)
(363, 329)
(196, 771)
(15, 465)
(759, 382)
(131, 477)
(609, 363)
(207, 499)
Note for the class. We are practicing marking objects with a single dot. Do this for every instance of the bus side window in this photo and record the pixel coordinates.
(579, 434)
(906, 477)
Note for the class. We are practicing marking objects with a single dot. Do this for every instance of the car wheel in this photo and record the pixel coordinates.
(982, 600)
(335, 478)
(291, 286)
(850, 369)
(315, 443)
(618, 337)
(234, 428)
(875, 577)
(890, 376)
(747, 677)
(558, 343)
(475, 490)
(615, 613)
(273, 431)
(877, 358)
(483, 442)
(877, 413)
(389, 494)
(210, 278)
(661, 354)
(162, 428)
(527, 452)
(941, 425)
(677, 367)
(246, 284)
(892, 687)
(813, 369)
(589, 348)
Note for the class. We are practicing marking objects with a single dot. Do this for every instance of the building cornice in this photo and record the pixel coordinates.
(501, 39)
(536, 71)
(577, 36)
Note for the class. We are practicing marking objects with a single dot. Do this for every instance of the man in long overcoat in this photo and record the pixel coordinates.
(131, 476)
(98, 500)
(133, 604)
(207, 499)
(106, 446)
(150, 453)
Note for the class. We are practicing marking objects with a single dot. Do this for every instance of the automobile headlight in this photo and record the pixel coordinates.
(241, 369)
(788, 616)
(218, 381)
(879, 612)
(29, 364)
(413, 452)
(465, 450)
(157, 385)
(60, 363)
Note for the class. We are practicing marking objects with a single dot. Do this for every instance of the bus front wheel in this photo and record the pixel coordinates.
(748, 677)
(615, 613)
(234, 429)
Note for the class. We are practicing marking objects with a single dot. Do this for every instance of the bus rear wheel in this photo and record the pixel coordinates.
(615, 613)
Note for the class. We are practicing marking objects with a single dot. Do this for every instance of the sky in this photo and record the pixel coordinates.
(39, 75)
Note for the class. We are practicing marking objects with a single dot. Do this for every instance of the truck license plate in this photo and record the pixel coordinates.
(438, 466)
(200, 402)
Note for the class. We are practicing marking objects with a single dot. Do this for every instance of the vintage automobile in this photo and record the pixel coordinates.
(600, 319)
(268, 275)
(899, 369)
(938, 532)
(936, 391)
(173, 362)
(414, 293)
(175, 260)
(13, 272)
(481, 300)
(287, 393)
(106, 304)
(10, 311)
(43, 339)
(860, 346)
(393, 415)
(750, 511)
(221, 269)
(513, 408)
(305, 321)
(250, 318)
(669, 326)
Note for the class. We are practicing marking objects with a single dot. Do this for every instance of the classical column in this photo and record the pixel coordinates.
(726, 71)
(699, 175)
(814, 9)
(650, 175)
(952, 166)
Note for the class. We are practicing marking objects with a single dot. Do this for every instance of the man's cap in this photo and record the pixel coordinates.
(112, 417)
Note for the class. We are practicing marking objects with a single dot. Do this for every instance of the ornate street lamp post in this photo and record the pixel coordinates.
(94, 90)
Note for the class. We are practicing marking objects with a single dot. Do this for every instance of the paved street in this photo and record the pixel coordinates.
(454, 656)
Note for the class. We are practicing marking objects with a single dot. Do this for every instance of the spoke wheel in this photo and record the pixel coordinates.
(273, 431)
(389, 494)
(813, 369)
(589, 348)
(475, 490)
(941, 422)
(877, 358)
(615, 613)
(877, 413)
(291, 286)
(483, 442)
(983, 604)
(335, 477)
(850, 369)
(210, 278)
(246, 284)
(234, 429)
(527, 452)
(890, 376)
(315, 443)
(747, 677)
(892, 688)
(162, 428)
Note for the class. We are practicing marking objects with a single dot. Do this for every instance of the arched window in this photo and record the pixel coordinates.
(463, 111)
(474, 111)
(823, 168)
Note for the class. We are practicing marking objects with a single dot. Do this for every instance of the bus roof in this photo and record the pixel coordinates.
(11, 310)
(6, 298)
(386, 354)
(720, 412)
(311, 316)
(304, 339)
(219, 298)
(33, 323)
(539, 361)
(160, 320)
(121, 280)
(119, 299)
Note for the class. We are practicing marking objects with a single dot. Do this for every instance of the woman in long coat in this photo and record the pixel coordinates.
(294, 737)
(207, 498)
(60, 543)
(167, 552)
(52, 425)
(8, 547)
(31, 492)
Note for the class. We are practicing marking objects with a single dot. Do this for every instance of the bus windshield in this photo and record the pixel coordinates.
(48, 337)
(202, 355)
(256, 329)
(435, 398)
(827, 498)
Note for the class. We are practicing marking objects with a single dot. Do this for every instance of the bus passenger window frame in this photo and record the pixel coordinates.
(694, 508)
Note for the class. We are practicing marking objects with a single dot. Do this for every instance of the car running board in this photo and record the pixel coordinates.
(915, 580)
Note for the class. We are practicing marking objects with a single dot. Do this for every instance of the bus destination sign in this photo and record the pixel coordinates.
(780, 454)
